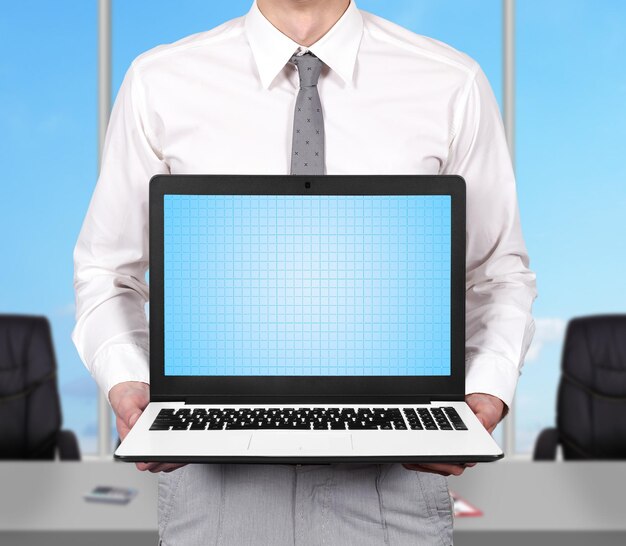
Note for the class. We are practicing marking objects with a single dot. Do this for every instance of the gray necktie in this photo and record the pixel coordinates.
(307, 149)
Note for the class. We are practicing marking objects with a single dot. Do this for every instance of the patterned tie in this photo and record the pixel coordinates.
(307, 148)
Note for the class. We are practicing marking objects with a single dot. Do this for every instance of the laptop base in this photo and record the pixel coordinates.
(268, 446)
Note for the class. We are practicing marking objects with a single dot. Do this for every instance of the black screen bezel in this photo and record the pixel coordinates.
(294, 389)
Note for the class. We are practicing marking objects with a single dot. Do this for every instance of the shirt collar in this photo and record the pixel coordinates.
(272, 49)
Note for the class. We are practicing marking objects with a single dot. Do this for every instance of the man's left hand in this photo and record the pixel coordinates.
(490, 410)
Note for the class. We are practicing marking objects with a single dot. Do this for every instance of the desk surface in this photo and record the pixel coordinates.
(533, 496)
(514, 496)
(48, 496)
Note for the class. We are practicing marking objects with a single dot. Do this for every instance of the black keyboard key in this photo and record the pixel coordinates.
(412, 419)
(356, 425)
(159, 426)
(441, 419)
(455, 418)
(166, 419)
(308, 418)
(301, 426)
(427, 419)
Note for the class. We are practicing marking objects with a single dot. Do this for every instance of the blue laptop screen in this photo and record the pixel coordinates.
(307, 285)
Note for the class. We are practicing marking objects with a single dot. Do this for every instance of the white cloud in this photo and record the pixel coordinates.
(66, 310)
(547, 330)
(80, 387)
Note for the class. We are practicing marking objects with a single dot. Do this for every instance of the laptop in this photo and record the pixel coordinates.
(307, 319)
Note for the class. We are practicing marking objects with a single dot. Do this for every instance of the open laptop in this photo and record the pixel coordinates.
(307, 319)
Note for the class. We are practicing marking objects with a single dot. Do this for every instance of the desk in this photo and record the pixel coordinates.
(42, 503)
(524, 503)
(574, 503)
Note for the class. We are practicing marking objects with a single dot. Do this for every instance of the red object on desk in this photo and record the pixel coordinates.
(462, 508)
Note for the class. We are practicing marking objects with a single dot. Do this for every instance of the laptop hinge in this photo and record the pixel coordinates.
(300, 400)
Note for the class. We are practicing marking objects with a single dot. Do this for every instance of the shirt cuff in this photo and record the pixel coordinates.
(119, 363)
(492, 375)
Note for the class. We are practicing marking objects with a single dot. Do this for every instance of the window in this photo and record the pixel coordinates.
(571, 113)
(139, 26)
(474, 28)
(570, 85)
(49, 163)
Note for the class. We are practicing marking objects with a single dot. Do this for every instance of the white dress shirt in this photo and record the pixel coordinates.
(222, 101)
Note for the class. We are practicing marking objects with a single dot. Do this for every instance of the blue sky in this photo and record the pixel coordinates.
(571, 85)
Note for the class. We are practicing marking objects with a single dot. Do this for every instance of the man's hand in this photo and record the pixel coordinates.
(490, 410)
(128, 401)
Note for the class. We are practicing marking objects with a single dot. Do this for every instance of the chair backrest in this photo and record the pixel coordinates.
(30, 409)
(591, 409)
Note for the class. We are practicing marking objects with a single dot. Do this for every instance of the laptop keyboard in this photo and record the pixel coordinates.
(314, 418)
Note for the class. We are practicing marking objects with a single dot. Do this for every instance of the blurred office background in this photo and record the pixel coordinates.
(569, 98)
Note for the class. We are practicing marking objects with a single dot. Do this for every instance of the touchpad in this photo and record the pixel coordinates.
(296, 442)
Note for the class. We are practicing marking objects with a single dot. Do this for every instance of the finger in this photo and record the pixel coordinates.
(146, 466)
(484, 421)
(438, 468)
(175, 468)
(133, 419)
(122, 428)
(170, 467)
(487, 423)
(158, 467)
(455, 469)
(124, 425)
(129, 408)
(418, 468)
(162, 467)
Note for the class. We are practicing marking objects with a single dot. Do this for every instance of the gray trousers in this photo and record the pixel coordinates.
(360, 504)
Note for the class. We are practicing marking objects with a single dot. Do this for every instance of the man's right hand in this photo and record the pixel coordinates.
(128, 401)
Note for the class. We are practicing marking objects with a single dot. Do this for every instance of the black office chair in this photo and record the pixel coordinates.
(591, 406)
(30, 409)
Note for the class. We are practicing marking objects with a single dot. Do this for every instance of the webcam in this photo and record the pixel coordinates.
(307, 185)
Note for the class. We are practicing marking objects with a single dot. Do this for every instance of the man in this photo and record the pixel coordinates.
(222, 101)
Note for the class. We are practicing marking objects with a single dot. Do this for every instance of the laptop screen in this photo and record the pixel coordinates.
(307, 285)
